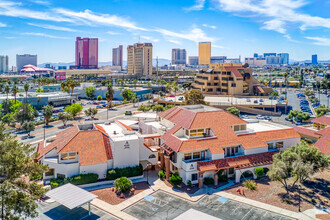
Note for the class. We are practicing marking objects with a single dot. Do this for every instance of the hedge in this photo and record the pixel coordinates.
(76, 180)
(113, 174)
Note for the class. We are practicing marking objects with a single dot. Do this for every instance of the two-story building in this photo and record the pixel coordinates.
(200, 141)
(95, 148)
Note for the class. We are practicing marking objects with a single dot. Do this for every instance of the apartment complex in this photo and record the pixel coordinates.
(179, 56)
(86, 53)
(204, 53)
(139, 59)
(200, 141)
(227, 79)
(117, 56)
(268, 59)
(22, 60)
(3, 64)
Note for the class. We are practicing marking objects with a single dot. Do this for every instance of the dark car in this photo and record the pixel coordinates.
(128, 113)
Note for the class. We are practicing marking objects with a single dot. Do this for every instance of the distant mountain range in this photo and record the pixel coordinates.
(161, 62)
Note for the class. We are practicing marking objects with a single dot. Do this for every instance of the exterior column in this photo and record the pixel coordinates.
(162, 160)
(216, 179)
(200, 180)
(167, 166)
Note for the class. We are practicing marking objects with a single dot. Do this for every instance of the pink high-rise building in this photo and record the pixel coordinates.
(117, 56)
(86, 53)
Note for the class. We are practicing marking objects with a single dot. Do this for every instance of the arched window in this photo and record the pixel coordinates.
(152, 156)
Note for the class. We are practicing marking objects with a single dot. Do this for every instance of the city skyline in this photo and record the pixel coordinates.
(37, 27)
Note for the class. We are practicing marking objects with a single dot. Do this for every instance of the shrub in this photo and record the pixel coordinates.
(189, 183)
(76, 180)
(223, 178)
(208, 180)
(175, 179)
(123, 184)
(36, 176)
(259, 171)
(124, 172)
(161, 174)
(99, 98)
(250, 184)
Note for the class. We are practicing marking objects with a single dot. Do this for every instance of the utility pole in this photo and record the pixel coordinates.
(157, 72)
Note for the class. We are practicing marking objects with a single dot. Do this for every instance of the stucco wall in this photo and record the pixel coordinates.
(100, 169)
(124, 157)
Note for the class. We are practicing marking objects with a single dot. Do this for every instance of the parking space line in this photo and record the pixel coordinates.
(246, 213)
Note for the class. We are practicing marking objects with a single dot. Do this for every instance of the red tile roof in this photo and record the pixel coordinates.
(324, 142)
(93, 146)
(325, 119)
(307, 132)
(234, 70)
(237, 162)
(221, 123)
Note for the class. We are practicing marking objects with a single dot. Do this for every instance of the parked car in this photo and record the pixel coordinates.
(89, 103)
(260, 117)
(102, 102)
(268, 118)
(180, 98)
(172, 96)
(255, 101)
(95, 103)
(55, 111)
(99, 106)
(288, 119)
(128, 113)
(261, 100)
(112, 109)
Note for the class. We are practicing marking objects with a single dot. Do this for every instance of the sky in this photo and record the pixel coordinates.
(48, 28)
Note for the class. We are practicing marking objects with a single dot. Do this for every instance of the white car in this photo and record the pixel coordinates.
(260, 117)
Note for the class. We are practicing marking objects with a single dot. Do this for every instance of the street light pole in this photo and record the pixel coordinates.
(299, 196)
(44, 128)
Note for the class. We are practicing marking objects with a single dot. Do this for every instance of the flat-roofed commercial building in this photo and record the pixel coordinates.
(25, 59)
(227, 79)
(193, 60)
(81, 74)
(179, 56)
(139, 59)
(117, 56)
(255, 61)
(3, 64)
(204, 53)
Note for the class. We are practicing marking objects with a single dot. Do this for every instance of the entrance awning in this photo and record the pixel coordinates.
(71, 196)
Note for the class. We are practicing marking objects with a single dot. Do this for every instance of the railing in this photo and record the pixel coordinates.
(235, 155)
(191, 165)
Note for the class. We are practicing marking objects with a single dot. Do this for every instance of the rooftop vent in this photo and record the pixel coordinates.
(85, 127)
(114, 132)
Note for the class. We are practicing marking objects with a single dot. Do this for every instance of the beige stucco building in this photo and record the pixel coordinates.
(139, 59)
(228, 79)
(204, 53)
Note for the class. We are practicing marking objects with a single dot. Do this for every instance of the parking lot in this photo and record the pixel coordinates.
(161, 205)
(56, 211)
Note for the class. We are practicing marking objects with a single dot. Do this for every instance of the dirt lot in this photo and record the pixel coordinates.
(314, 192)
(110, 196)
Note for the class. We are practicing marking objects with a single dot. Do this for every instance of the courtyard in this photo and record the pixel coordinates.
(161, 205)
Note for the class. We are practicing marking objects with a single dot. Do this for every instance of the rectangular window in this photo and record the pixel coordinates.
(233, 85)
(187, 132)
(196, 155)
(243, 127)
(236, 127)
(50, 172)
(60, 176)
(193, 133)
(187, 156)
(231, 171)
(72, 156)
(279, 144)
(236, 150)
(64, 156)
(200, 131)
(194, 177)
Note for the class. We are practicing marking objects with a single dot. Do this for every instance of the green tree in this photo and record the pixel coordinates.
(63, 85)
(122, 185)
(127, 94)
(64, 117)
(274, 93)
(169, 106)
(91, 112)
(14, 90)
(99, 98)
(18, 197)
(26, 89)
(1, 87)
(90, 92)
(149, 85)
(322, 110)
(53, 80)
(28, 127)
(233, 110)
(109, 95)
(144, 108)
(187, 86)
(74, 109)
(194, 97)
(47, 112)
(298, 162)
(7, 90)
(25, 112)
(158, 108)
(135, 82)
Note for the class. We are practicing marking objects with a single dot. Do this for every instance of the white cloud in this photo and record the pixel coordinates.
(10, 38)
(210, 26)
(322, 41)
(199, 5)
(217, 46)
(90, 18)
(149, 38)
(276, 15)
(113, 33)
(40, 2)
(3, 24)
(195, 34)
(44, 35)
(53, 27)
(287, 36)
(174, 41)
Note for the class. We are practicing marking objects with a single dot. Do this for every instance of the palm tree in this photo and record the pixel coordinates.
(7, 90)
(39, 82)
(175, 89)
(63, 85)
(14, 90)
(53, 81)
(1, 87)
(168, 87)
(26, 89)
